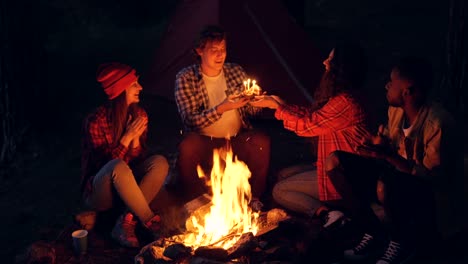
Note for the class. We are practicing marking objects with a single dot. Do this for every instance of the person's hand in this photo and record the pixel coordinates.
(278, 99)
(232, 102)
(372, 151)
(133, 130)
(378, 140)
(375, 146)
(135, 143)
(269, 101)
(136, 127)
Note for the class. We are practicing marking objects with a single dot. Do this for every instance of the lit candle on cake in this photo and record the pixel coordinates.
(251, 88)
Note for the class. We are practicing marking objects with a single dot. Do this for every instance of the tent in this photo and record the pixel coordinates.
(262, 38)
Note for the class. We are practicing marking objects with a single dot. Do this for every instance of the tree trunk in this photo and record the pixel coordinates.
(454, 78)
(8, 138)
(21, 63)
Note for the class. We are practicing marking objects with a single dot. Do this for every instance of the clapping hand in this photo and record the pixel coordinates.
(136, 126)
(375, 146)
(133, 130)
(380, 139)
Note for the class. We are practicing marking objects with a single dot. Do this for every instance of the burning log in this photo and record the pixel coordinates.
(194, 205)
(268, 221)
(170, 249)
(215, 253)
(177, 251)
(246, 243)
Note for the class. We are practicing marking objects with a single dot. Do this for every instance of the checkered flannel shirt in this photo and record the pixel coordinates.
(191, 96)
(339, 125)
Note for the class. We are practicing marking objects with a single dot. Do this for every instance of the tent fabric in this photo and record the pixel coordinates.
(262, 38)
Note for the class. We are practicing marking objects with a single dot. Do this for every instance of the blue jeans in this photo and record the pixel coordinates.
(297, 189)
(117, 176)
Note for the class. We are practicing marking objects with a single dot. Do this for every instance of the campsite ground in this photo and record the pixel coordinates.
(41, 195)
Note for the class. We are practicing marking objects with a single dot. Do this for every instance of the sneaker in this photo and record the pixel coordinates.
(256, 205)
(366, 248)
(124, 231)
(154, 226)
(395, 254)
(333, 218)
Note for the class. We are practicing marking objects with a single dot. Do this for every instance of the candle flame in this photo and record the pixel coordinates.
(251, 88)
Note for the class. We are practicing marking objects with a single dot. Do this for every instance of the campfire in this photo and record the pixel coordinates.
(221, 224)
(229, 215)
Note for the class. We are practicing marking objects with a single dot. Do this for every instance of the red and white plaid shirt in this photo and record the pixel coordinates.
(98, 145)
(339, 125)
(192, 99)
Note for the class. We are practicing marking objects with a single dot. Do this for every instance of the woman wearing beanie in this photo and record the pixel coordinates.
(113, 158)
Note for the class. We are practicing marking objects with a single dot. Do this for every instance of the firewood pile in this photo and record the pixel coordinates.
(166, 250)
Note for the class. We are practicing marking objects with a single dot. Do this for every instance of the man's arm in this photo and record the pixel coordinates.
(431, 162)
(379, 147)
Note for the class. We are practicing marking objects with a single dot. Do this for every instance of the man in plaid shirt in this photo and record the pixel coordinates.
(207, 97)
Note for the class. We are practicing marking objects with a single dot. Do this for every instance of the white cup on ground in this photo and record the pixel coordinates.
(80, 241)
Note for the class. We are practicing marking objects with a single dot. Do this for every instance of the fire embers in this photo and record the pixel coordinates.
(178, 253)
(168, 249)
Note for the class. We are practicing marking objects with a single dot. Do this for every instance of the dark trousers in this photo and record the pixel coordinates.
(250, 146)
(407, 200)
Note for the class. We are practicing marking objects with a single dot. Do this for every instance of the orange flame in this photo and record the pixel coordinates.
(229, 215)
